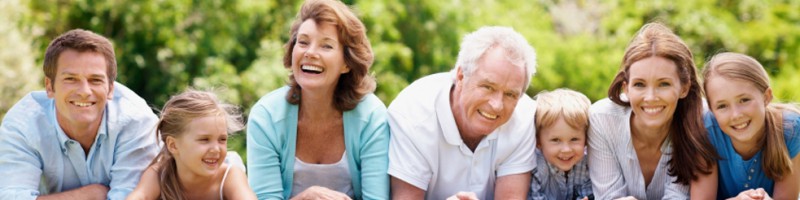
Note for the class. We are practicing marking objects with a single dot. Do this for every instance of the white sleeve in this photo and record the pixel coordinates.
(406, 159)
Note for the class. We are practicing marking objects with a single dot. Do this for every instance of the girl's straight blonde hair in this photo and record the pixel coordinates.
(736, 66)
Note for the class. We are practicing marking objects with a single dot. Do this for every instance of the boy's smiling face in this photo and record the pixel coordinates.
(561, 144)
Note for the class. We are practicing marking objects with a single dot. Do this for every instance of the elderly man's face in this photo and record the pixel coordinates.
(486, 98)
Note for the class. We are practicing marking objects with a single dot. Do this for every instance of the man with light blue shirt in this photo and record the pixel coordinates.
(85, 137)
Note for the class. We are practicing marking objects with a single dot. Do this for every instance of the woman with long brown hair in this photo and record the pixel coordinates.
(647, 137)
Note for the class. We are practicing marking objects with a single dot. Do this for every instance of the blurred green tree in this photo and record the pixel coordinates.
(236, 46)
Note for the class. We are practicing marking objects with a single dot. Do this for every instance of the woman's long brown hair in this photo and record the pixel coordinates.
(688, 135)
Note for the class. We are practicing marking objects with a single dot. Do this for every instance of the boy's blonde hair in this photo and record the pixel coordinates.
(568, 104)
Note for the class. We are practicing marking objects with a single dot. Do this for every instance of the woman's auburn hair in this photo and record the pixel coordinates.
(692, 151)
(358, 56)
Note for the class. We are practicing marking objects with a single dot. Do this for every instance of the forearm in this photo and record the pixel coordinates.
(88, 192)
(513, 186)
(404, 190)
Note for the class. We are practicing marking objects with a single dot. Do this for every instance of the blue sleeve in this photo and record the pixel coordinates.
(263, 158)
(714, 136)
(585, 188)
(375, 154)
(537, 179)
(135, 149)
(19, 162)
(792, 133)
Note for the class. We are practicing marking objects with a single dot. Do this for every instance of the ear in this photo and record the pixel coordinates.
(624, 87)
(459, 74)
(685, 90)
(767, 96)
(345, 70)
(172, 146)
(111, 91)
(48, 86)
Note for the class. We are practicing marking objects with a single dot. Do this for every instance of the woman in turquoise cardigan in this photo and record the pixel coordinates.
(325, 135)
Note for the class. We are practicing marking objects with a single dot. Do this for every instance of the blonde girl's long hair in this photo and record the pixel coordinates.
(176, 114)
(735, 66)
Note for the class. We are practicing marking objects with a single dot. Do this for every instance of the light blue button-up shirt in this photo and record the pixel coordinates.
(38, 158)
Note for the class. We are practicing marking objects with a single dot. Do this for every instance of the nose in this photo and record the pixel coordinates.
(311, 52)
(216, 147)
(496, 101)
(84, 90)
(565, 148)
(736, 112)
(650, 94)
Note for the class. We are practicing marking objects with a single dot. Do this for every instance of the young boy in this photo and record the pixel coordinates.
(562, 119)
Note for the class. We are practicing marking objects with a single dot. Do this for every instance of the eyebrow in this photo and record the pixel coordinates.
(325, 38)
(490, 82)
(90, 76)
(737, 97)
(657, 79)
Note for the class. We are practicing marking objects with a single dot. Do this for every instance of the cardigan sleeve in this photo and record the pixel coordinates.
(263, 156)
(374, 154)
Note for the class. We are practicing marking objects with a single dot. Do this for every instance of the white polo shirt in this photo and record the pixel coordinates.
(426, 149)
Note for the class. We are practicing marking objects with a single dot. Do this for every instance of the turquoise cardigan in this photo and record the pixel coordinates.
(272, 137)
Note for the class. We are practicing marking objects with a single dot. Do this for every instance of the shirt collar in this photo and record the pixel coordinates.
(554, 170)
(102, 131)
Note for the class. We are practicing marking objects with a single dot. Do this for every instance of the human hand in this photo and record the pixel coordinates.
(463, 196)
(317, 192)
(754, 194)
(627, 198)
(585, 198)
(100, 190)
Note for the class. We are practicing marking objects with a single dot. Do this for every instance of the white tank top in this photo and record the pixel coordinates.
(334, 176)
(233, 159)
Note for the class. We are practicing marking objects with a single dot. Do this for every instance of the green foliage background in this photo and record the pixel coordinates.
(235, 46)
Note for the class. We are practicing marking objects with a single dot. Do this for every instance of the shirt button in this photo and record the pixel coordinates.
(749, 177)
(746, 185)
(751, 170)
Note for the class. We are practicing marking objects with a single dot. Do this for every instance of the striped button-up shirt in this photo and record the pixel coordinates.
(548, 182)
(615, 170)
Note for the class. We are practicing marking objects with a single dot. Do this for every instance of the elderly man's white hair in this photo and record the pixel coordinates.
(476, 44)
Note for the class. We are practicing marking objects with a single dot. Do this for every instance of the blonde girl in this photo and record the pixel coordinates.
(194, 129)
(758, 141)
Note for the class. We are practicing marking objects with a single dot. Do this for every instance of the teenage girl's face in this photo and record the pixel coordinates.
(654, 89)
(740, 107)
(203, 147)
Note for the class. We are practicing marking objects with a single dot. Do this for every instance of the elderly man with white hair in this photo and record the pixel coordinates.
(469, 133)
